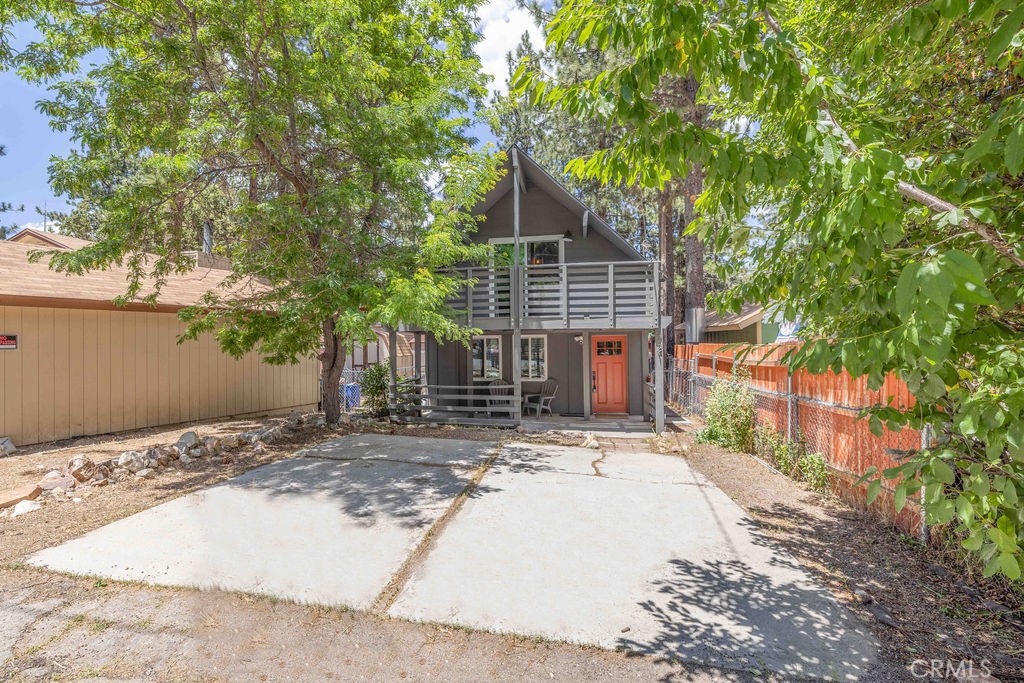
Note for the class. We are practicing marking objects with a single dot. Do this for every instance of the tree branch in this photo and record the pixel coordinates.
(909, 191)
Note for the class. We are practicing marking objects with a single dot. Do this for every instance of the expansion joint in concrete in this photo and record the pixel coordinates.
(386, 598)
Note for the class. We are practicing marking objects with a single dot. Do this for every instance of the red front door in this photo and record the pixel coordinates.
(608, 365)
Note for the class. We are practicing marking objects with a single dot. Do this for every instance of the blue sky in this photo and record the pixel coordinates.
(30, 142)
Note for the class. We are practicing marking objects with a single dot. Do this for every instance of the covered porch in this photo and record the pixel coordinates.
(550, 377)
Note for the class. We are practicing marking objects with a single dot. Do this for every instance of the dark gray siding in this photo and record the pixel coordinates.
(543, 215)
(448, 364)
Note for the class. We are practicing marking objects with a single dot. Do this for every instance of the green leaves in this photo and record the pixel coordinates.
(1005, 34)
(1014, 153)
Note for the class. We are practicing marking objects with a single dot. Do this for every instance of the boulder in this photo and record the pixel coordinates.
(133, 461)
(163, 460)
(24, 507)
(99, 481)
(6, 446)
(61, 481)
(230, 442)
(185, 460)
(145, 473)
(12, 497)
(293, 421)
(211, 444)
(187, 441)
(271, 435)
(82, 468)
(250, 437)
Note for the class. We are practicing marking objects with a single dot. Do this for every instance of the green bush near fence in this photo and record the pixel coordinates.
(791, 458)
(729, 413)
(375, 383)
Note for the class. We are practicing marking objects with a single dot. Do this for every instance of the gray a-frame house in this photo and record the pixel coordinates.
(569, 315)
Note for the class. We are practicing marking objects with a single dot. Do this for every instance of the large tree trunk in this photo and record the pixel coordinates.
(666, 254)
(332, 362)
(693, 248)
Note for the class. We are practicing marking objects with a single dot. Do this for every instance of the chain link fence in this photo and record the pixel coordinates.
(350, 387)
(820, 414)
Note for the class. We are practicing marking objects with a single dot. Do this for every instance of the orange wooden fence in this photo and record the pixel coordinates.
(825, 409)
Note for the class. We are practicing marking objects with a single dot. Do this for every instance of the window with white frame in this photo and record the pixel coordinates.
(533, 357)
(533, 251)
(486, 358)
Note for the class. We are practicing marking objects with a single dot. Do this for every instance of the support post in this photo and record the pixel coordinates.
(659, 357)
(659, 381)
(565, 294)
(517, 311)
(923, 534)
(611, 295)
(588, 382)
(393, 363)
(789, 405)
(417, 355)
(469, 298)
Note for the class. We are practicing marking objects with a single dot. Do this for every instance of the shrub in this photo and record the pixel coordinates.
(771, 446)
(791, 458)
(814, 471)
(375, 384)
(729, 413)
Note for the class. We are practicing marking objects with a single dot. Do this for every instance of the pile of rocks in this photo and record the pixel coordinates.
(81, 473)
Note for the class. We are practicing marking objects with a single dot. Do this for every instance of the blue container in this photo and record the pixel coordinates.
(353, 396)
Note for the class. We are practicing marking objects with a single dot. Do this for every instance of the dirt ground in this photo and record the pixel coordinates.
(924, 608)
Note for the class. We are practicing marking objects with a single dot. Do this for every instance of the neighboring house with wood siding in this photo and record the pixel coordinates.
(79, 365)
(747, 326)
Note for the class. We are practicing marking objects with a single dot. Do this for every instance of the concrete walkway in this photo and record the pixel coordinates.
(611, 548)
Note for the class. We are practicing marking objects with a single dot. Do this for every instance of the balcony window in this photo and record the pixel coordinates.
(486, 353)
(541, 253)
(533, 251)
(533, 357)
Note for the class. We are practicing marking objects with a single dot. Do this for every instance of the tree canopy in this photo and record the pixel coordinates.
(885, 156)
(320, 140)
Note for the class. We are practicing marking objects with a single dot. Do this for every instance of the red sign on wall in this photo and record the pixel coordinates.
(8, 342)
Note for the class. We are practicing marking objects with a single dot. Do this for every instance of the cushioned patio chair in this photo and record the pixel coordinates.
(541, 400)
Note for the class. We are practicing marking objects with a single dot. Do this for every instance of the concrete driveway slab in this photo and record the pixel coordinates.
(314, 530)
(630, 551)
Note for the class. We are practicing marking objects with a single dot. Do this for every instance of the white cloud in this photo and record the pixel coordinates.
(502, 25)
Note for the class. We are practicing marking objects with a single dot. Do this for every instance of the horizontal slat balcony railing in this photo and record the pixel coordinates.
(475, 404)
(561, 296)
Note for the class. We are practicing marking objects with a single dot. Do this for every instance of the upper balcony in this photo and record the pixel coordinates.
(562, 296)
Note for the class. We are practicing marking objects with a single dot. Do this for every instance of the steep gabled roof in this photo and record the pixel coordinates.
(535, 176)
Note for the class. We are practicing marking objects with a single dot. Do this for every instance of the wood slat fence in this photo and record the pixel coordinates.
(824, 411)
